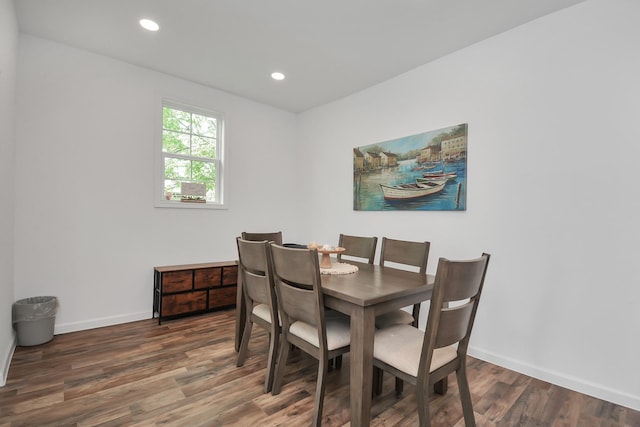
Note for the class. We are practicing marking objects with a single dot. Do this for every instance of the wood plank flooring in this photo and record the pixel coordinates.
(183, 373)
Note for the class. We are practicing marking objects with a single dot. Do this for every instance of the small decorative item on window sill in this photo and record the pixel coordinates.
(193, 199)
(193, 192)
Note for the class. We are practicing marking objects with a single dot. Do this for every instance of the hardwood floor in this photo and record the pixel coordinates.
(183, 373)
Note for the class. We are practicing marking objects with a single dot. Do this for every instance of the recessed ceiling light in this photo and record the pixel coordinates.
(150, 25)
(277, 76)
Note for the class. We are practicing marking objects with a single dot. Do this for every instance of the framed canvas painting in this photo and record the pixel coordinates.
(427, 171)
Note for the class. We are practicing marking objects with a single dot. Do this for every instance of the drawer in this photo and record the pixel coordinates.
(184, 303)
(230, 275)
(207, 277)
(176, 281)
(222, 297)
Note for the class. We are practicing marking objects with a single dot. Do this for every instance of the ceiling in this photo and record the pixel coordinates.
(328, 49)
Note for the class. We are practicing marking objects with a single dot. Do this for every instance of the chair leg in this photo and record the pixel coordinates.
(335, 362)
(465, 396)
(272, 359)
(282, 361)
(441, 386)
(377, 381)
(246, 334)
(399, 385)
(338, 363)
(422, 394)
(322, 374)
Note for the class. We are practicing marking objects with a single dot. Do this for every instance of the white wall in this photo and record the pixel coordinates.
(8, 61)
(86, 228)
(552, 108)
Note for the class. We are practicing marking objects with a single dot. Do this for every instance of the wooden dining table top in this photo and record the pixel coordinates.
(374, 284)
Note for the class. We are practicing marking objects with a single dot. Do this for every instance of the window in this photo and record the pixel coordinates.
(191, 157)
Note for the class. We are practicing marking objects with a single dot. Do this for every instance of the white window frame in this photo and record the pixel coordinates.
(221, 181)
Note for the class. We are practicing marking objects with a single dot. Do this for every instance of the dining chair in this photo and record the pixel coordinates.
(358, 247)
(409, 253)
(305, 324)
(241, 310)
(424, 358)
(260, 300)
(275, 236)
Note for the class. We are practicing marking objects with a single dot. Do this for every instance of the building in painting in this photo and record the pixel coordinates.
(358, 160)
(429, 153)
(371, 160)
(454, 148)
(388, 159)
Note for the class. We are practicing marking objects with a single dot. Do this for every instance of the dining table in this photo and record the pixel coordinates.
(370, 291)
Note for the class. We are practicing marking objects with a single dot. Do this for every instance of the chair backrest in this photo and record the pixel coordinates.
(298, 288)
(454, 302)
(257, 274)
(275, 236)
(405, 252)
(359, 247)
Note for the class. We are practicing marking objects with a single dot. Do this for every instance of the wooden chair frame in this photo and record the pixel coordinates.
(275, 237)
(255, 267)
(410, 253)
(300, 298)
(357, 246)
(447, 325)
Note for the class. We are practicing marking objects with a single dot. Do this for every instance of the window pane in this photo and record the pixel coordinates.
(205, 126)
(176, 120)
(177, 168)
(203, 171)
(203, 147)
(190, 150)
(175, 143)
(211, 191)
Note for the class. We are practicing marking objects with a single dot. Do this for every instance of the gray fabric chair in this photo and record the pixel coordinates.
(424, 358)
(260, 300)
(305, 324)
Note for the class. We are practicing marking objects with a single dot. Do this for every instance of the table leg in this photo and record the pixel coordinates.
(241, 312)
(361, 360)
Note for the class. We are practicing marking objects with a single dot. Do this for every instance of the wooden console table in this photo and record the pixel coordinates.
(180, 290)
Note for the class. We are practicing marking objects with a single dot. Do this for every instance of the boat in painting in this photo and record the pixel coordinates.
(411, 190)
(424, 167)
(423, 181)
(440, 175)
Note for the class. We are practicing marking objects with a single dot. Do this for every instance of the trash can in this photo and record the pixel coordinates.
(34, 319)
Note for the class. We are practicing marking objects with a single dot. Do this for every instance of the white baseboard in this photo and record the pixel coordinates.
(576, 384)
(6, 361)
(63, 328)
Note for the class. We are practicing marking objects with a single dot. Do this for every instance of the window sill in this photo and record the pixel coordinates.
(188, 205)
